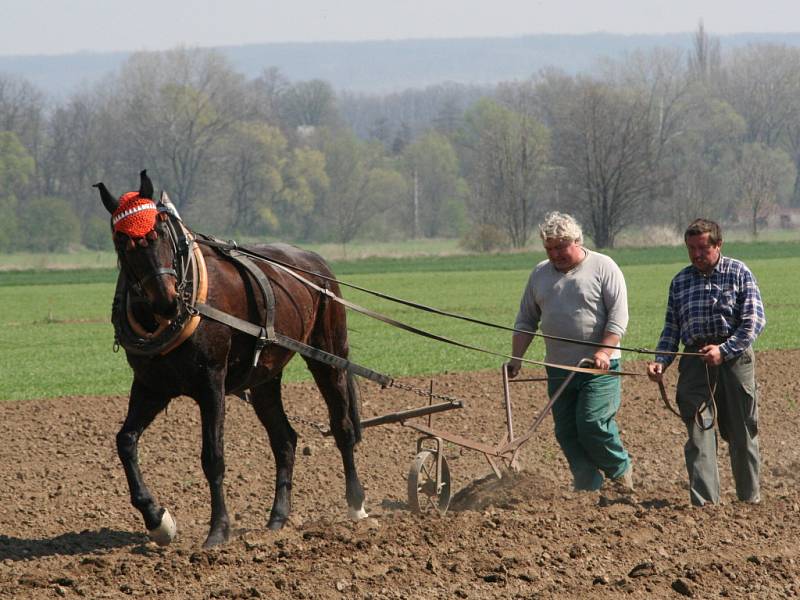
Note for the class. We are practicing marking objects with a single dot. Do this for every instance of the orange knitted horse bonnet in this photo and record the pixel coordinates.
(135, 216)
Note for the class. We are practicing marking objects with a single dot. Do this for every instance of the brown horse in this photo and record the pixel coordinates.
(205, 358)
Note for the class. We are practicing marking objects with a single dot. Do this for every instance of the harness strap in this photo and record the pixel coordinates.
(266, 291)
(218, 243)
(433, 336)
(227, 247)
(292, 344)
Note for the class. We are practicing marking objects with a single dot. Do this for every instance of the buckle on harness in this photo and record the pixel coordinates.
(263, 340)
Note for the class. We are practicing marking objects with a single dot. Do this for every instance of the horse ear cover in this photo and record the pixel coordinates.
(135, 216)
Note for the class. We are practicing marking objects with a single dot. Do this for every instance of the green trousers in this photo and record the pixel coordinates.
(737, 421)
(585, 426)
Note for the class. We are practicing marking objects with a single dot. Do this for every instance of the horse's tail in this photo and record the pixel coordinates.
(353, 405)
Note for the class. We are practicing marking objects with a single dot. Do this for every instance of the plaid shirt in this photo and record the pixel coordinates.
(724, 305)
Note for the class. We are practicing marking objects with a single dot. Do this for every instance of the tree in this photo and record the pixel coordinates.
(761, 176)
(611, 134)
(309, 104)
(78, 150)
(705, 59)
(16, 169)
(177, 108)
(711, 132)
(361, 187)
(762, 83)
(272, 186)
(505, 156)
(268, 89)
(432, 166)
(48, 225)
(22, 111)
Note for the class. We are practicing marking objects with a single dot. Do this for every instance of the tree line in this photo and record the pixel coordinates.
(655, 139)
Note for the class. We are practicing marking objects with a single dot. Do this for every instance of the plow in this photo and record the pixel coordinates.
(429, 482)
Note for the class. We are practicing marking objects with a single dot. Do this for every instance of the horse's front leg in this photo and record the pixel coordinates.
(143, 407)
(212, 415)
(283, 440)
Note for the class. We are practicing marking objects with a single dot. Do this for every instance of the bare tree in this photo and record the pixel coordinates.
(267, 90)
(505, 155)
(762, 82)
(360, 186)
(610, 137)
(696, 160)
(705, 59)
(309, 104)
(177, 107)
(761, 175)
(22, 113)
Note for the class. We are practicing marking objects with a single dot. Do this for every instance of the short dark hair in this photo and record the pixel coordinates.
(701, 226)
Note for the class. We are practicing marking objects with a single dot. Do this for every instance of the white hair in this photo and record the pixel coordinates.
(560, 226)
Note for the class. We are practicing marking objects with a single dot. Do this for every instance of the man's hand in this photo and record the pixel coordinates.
(655, 371)
(602, 360)
(711, 355)
(513, 367)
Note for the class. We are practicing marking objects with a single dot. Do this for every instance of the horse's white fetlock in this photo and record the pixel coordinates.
(165, 532)
(356, 514)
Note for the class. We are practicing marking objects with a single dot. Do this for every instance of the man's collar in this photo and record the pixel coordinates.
(717, 267)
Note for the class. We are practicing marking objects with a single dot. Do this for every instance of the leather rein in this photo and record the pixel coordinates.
(189, 269)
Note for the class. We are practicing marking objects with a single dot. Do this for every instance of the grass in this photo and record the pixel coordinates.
(56, 337)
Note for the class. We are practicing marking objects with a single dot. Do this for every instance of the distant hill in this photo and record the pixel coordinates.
(384, 66)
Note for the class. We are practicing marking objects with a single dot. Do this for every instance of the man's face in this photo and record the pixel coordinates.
(703, 254)
(564, 254)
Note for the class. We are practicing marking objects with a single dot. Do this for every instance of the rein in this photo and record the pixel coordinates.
(390, 321)
(708, 404)
(423, 307)
(183, 240)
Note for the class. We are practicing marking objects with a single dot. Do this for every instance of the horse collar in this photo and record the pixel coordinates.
(190, 269)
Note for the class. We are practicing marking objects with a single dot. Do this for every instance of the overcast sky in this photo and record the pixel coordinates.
(64, 26)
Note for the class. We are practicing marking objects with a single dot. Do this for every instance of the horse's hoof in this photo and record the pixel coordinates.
(215, 540)
(217, 535)
(356, 514)
(276, 523)
(165, 532)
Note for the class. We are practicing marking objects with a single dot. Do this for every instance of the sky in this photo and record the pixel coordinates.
(67, 26)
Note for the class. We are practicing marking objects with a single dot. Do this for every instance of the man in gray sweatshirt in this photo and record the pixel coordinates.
(579, 294)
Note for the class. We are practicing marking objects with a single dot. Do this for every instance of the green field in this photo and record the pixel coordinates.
(56, 338)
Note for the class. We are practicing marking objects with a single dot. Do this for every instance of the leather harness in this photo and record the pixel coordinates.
(190, 269)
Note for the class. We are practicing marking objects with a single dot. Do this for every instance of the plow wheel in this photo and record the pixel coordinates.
(429, 483)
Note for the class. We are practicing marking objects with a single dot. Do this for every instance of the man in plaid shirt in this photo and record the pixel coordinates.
(714, 307)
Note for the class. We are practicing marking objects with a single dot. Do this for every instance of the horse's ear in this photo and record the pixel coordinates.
(145, 186)
(109, 201)
(167, 204)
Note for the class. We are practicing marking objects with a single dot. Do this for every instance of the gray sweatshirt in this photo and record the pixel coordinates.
(581, 304)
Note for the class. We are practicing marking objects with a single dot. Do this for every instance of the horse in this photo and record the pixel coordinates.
(174, 351)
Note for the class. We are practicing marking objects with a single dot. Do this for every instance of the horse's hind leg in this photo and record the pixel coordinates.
(340, 393)
(143, 407)
(266, 399)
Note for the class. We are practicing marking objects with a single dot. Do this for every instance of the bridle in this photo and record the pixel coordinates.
(179, 240)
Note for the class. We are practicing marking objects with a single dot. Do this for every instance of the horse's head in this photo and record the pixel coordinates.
(146, 244)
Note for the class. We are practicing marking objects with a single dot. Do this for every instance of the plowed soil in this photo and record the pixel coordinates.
(67, 528)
